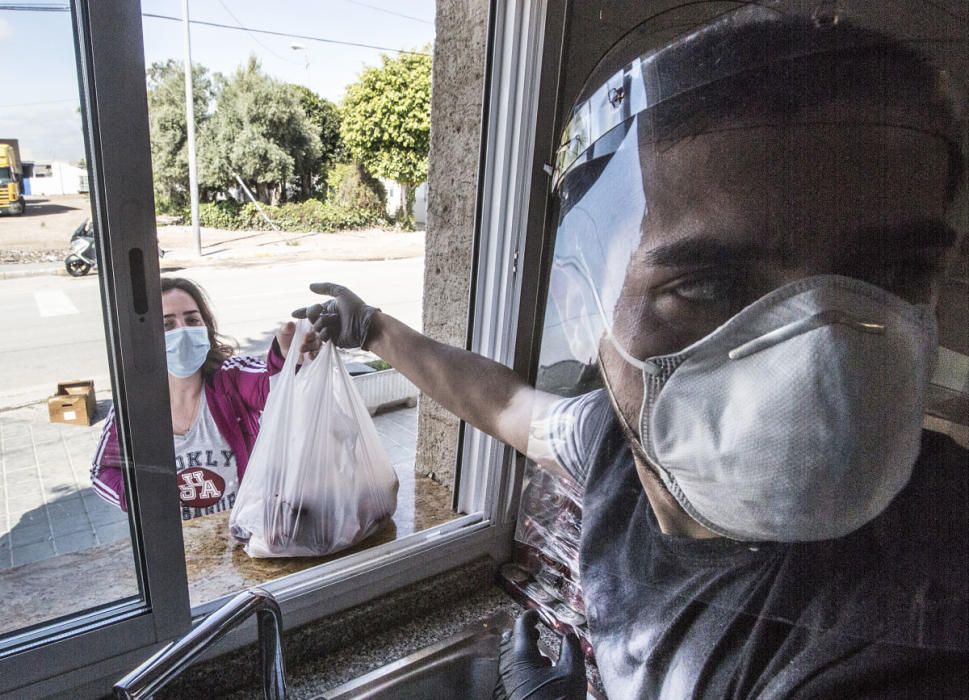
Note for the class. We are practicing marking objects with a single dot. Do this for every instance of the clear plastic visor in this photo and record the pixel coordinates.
(677, 214)
(658, 244)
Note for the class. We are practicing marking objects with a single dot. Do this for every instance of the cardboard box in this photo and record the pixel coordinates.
(73, 403)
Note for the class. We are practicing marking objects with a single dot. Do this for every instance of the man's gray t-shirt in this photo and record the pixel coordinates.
(879, 613)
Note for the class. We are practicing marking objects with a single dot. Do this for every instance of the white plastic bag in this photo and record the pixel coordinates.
(318, 479)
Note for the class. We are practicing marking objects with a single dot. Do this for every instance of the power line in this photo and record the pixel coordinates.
(252, 36)
(389, 12)
(250, 30)
(283, 34)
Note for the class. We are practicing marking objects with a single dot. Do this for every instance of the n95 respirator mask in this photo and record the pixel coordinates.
(799, 419)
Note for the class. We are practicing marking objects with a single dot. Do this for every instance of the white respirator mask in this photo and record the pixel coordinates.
(799, 419)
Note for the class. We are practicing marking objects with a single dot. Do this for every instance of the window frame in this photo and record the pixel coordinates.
(114, 105)
(95, 643)
(489, 469)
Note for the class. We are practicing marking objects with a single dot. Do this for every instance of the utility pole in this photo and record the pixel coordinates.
(193, 180)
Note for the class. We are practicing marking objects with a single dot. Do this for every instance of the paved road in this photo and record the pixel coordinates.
(54, 332)
(46, 224)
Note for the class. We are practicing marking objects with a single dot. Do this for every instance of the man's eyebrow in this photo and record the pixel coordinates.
(710, 251)
(705, 251)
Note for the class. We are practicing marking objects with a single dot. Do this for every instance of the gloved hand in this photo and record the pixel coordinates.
(524, 674)
(344, 319)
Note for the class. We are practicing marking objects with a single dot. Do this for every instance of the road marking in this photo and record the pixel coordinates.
(53, 302)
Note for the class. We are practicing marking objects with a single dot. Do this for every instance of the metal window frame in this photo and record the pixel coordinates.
(103, 641)
(489, 469)
(111, 63)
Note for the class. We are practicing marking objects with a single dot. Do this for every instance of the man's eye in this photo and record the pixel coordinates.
(706, 289)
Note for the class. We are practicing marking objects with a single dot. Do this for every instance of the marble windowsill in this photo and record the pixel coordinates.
(215, 565)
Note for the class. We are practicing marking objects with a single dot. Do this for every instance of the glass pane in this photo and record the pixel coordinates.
(688, 463)
(55, 388)
(288, 199)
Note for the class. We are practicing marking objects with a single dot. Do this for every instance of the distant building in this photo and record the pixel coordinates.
(393, 200)
(53, 178)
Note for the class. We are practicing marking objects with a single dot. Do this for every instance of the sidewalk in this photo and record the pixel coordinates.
(47, 506)
(220, 247)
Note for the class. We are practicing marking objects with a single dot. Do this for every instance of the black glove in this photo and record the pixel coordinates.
(524, 674)
(344, 319)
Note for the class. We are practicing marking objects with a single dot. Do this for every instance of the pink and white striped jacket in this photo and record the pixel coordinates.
(235, 394)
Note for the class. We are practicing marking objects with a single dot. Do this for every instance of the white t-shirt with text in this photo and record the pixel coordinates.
(206, 467)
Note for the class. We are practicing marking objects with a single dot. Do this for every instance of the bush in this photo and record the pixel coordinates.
(353, 188)
(218, 214)
(297, 217)
(166, 207)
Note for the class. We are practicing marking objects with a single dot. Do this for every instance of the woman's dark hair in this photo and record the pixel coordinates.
(220, 347)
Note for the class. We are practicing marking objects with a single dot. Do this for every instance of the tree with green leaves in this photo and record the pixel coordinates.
(168, 128)
(325, 118)
(259, 132)
(386, 122)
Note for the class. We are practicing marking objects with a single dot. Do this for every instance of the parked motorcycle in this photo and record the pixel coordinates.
(83, 256)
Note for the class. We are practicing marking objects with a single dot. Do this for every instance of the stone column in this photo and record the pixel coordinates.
(456, 101)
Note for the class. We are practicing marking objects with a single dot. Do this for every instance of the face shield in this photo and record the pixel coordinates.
(761, 232)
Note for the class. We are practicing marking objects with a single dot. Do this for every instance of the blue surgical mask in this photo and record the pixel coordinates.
(186, 350)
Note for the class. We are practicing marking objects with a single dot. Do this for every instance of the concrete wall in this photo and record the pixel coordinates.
(456, 100)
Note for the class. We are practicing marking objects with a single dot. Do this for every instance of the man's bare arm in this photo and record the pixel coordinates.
(478, 390)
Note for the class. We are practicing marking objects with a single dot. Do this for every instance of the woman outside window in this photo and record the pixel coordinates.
(217, 399)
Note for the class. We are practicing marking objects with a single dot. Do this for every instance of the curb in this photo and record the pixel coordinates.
(261, 257)
(255, 248)
(10, 274)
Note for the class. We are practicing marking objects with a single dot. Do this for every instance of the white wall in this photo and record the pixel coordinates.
(420, 200)
(64, 179)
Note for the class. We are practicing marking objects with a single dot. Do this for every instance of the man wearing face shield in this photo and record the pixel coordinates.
(754, 218)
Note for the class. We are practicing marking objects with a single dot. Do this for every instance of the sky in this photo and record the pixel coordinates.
(39, 102)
